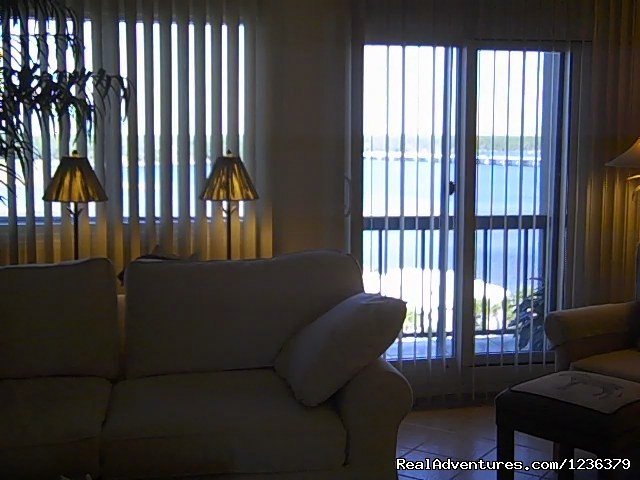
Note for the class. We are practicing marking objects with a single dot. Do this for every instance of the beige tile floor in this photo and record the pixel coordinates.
(468, 434)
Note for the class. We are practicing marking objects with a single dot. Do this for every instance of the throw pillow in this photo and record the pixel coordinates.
(327, 353)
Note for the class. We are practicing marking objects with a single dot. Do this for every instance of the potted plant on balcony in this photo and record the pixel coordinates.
(529, 319)
(28, 86)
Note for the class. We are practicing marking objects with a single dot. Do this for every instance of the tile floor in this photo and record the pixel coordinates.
(468, 434)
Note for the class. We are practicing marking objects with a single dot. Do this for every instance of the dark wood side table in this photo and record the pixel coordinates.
(574, 409)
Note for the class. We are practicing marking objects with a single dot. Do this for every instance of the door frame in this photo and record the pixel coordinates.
(461, 373)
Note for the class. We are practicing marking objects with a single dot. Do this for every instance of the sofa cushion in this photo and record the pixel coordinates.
(223, 422)
(328, 352)
(620, 363)
(58, 320)
(51, 426)
(220, 315)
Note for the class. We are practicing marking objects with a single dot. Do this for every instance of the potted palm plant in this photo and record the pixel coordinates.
(29, 87)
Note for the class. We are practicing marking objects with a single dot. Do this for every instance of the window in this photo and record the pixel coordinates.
(191, 69)
(142, 99)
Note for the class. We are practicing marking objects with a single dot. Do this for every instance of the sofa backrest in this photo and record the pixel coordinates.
(220, 315)
(58, 319)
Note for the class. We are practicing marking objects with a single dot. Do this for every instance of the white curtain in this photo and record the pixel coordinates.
(191, 67)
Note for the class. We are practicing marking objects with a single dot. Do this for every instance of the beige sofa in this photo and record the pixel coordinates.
(185, 386)
(601, 339)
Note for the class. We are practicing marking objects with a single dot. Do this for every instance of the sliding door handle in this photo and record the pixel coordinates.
(347, 196)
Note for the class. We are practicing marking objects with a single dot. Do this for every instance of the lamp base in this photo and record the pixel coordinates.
(228, 211)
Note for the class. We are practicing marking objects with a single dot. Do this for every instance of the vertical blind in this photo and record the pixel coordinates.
(603, 215)
(191, 70)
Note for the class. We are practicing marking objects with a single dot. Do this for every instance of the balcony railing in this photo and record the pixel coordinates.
(497, 290)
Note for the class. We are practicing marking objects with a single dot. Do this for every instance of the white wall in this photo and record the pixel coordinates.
(301, 101)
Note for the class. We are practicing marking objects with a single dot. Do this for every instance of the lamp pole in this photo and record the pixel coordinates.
(228, 211)
(75, 213)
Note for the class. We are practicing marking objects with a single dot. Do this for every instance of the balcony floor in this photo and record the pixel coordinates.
(424, 348)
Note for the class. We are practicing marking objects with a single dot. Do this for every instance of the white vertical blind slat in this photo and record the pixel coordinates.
(233, 114)
(519, 247)
(99, 238)
(249, 231)
(432, 212)
(149, 133)
(14, 256)
(184, 183)
(200, 135)
(132, 134)
(64, 125)
(166, 127)
(30, 239)
(217, 232)
(444, 205)
(402, 187)
(12, 230)
(45, 151)
(81, 144)
(113, 150)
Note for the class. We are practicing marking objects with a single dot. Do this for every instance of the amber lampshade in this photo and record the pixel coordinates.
(74, 181)
(229, 181)
(630, 158)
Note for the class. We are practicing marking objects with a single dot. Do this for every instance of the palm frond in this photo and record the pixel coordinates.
(29, 87)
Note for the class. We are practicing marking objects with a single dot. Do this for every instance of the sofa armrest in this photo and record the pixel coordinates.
(582, 332)
(371, 406)
(327, 353)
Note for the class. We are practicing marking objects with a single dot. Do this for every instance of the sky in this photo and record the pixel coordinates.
(500, 90)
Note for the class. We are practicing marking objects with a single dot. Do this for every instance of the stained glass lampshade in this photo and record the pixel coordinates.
(74, 182)
(229, 182)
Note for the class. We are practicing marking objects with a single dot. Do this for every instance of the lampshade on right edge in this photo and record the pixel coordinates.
(628, 159)
(229, 181)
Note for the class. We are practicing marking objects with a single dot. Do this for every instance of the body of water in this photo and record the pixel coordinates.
(502, 190)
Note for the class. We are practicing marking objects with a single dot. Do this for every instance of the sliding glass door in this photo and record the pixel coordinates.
(409, 161)
(518, 150)
(413, 99)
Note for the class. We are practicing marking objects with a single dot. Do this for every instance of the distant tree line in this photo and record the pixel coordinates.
(485, 143)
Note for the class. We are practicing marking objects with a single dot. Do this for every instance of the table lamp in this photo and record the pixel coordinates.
(229, 182)
(630, 158)
(74, 182)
